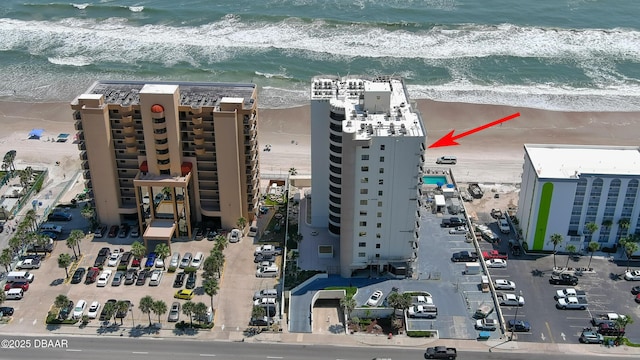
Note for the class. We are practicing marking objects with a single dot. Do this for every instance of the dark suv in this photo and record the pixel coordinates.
(452, 222)
(125, 259)
(179, 280)
(130, 277)
(59, 216)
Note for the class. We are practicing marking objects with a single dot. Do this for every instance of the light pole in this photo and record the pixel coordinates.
(515, 316)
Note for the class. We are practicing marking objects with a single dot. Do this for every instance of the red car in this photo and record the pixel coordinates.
(135, 262)
(113, 231)
(638, 298)
(92, 275)
(17, 285)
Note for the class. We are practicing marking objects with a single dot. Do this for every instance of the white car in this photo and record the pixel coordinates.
(79, 309)
(159, 262)
(424, 300)
(375, 298)
(502, 284)
(458, 230)
(235, 235)
(632, 275)
(93, 310)
(104, 278)
(114, 258)
(496, 263)
(156, 276)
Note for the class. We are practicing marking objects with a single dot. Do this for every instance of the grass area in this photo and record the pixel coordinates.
(351, 291)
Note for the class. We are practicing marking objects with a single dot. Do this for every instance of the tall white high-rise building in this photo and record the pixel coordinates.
(367, 152)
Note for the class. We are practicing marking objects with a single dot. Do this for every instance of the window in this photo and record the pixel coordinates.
(381, 158)
(378, 246)
(378, 236)
(361, 254)
(364, 191)
(363, 223)
(380, 193)
(364, 157)
(379, 203)
(380, 182)
(363, 202)
(362, 244)
(364, 168)
(379, 225)
(381, 147)
(379, 215)
(363, 213)
(381, 170)
(377, 256)
(362, 233)
(364, 180)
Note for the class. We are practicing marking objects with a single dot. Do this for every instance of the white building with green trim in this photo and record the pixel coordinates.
(565, 187)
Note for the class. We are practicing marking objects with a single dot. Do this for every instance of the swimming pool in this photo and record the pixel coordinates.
(434, 180)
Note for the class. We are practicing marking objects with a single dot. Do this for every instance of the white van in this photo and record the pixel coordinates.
(50, 227)
(253, 231)
(14, 294)
(267, 271)
(19, 276)
(452, 160)
(196, 262)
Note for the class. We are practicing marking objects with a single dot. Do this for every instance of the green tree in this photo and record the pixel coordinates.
(623, 227)
(159, 308)
(187, 309)
(293, 171)
(621, 322)
(42, 241)
(200, 311)
(3, 297)
(8, 161)
(571, 249)
(122, 307)
(607, 223)
(630, 247)
(72, 241)
(64, 260)
(241, 223)
(78, 235)
(593, 247)
(6, 258)
(146, 306)
(591, 227)
(61, 301)
(209, 268)
(258, 312)
(221, 242)
(15, 243)
(30, 220)
(211, 288)
(109, 310)
(89, 213)
(348, 304)
(556, 239)
(162, 251)
(399, 301)
(138, 250)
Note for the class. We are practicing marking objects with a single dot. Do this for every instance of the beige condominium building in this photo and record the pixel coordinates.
(169, 155)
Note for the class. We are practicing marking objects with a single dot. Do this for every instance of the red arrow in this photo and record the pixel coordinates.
(449, 139)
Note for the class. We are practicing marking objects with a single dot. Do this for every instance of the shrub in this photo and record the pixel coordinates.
(52, 319)
(190, 269)
(418, 333)
(171, 269)
(185, 325)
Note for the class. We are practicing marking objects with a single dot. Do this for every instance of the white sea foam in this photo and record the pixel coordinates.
(136, 8)
(71, 61)
(80, 6)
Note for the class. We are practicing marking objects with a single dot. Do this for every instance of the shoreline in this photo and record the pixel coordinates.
(493, 155)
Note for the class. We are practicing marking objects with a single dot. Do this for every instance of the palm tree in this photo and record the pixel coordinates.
(30, 220)
(187, 309)
(593, 247)
(162, 251)
(623, 226)
(159, 308)
(121, 307)
(15, 243)
(630, 247)
(258, 312)
(211, 288)
(138, 250)
(200, 311)
(348, 304)
(293, 171)
(556, 239)
(571, 249)
(9, 159)
(109, 309)
(42, 241)
(146, 306)
(209, 268)
(3, 297)
(241, 223)
(78, 235)
(591, 227)
(64, 260)
(221, 242)
(89, 213)
(72, 241)
(620, 323)
(607, 223)
(61, 301)
(6, 258)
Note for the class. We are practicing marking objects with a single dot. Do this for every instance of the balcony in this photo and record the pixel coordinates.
(198, 130)
(127, 120)
(128, 129)
(82, 146)
(86, 174)
(78, 125)
(199, 140)
(159, 126)
(163, 157)
(83, 155)
(130, 139)
(84, 165)
(162, 146)
(196, 120)
(132, 148)
(200, 150)
(196, 110)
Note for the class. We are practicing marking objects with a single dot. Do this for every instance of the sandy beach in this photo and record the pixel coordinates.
(494, 155)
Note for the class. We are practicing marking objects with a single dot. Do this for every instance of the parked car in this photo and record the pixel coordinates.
(635, 290)
(78, 275)
(502, 284)
(184, 294)
(142, 277)
(496, 263)
(174, 313)
(135, 232)
(179, 281)
(104, 278)
(151, 260)
(563, 279)
(588, 336)
(159, 263)
(113, 231)
(92, 313)
(186, 260)
(24, 285)
(105, 251)
(130, 277)
(375, 298)
(103, 313)
(632, 275)
(78, 311)
(117, 278)
(6, 310)
(175, 260)
(125, 259)
(156, 277)
(114, 258)
(59, 216)
(191, 281)
(264, 257)
(123, 231)
(458, 230)
(99, 231)
(65, 311)
(518, 325)
(92, 275)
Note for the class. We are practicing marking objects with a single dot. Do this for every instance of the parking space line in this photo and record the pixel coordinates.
(553, 341)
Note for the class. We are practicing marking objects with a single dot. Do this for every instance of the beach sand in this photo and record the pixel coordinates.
(494, 155)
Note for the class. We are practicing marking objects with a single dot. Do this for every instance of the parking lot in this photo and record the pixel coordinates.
(606, 290)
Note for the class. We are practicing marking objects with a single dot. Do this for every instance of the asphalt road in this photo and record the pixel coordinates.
(122, 348)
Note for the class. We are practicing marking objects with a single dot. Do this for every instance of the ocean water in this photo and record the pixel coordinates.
(569, 55)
